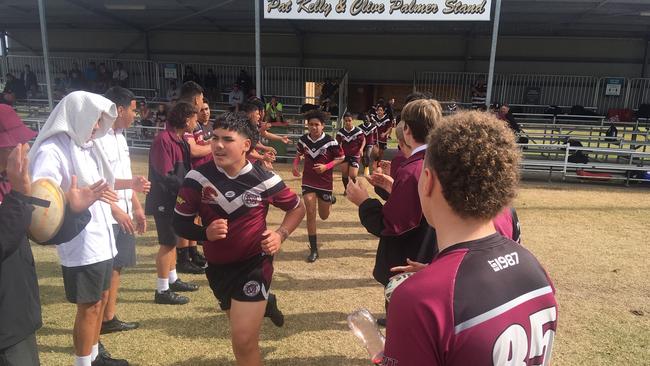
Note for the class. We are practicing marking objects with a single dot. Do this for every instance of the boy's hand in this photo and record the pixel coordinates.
(140, 221)
(356, 193)
(295, 172)
(271, 242)
(320, 168)
(141, 184)
(79, 199)
(270, 149)
(269, 156)
(411, 266)
(382, 181)
(218, 229)
(123, 219)
(18, 170)
(385, 165)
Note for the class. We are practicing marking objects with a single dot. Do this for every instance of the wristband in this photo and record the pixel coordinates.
(330, 165)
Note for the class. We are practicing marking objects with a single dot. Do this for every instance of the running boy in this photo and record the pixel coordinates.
(370, 132)
(352, 140)
(232, 197)
(384, 128)
(484, 300)
(321, 153)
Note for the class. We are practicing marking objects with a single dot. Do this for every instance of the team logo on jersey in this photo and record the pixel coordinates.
(251, 199)
(229, 194)
(327, 197)
(208, 194)
(252, 288)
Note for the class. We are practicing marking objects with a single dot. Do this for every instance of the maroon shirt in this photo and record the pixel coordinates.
(383, 125)
(242, 200)
(197, 135)
(169, 161)
(479, 303)
(402, 211)
(396, 163)
(319, 151)
(351, 141)
(370, 131)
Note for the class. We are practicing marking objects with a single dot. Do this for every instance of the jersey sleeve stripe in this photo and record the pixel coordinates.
(490, 314)
(184, 214)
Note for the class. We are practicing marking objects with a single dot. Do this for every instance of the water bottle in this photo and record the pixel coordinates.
(364, 326)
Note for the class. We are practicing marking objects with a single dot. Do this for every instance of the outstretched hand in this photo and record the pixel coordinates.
(79, 199)
(411, 266)
(141, 184)
(18, 170)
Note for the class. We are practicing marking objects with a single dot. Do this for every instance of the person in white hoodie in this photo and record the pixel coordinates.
(65, 152)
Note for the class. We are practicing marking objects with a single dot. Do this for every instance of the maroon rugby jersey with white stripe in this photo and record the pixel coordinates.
(383, 124)
(370, 131)
(243, 200)
(484, 302)
(320, 151)
(351, 141)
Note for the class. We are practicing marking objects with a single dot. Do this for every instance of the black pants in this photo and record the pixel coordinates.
(23, 353)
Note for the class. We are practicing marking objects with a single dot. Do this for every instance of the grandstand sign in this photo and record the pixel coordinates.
(420, 10)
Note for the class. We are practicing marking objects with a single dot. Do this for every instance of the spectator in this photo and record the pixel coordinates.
(211, 84)
(274, 111)
(190, 75)
(29, 82)
(121, 76)
(244, 80)
(172, 91)
(235, 98)
(90, 74)
(15, 86)
(161, 115)
(103, 78)
(479, 92)
(328, 90)
(76, 80)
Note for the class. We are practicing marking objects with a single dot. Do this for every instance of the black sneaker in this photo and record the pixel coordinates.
(116, 325)
(199, 259)
(333, 198)
(272, 312)
(381, 322)
(108, 361)
(189, 267)
(180, 286)
(101, 351)
(313, 255)
(170, 298)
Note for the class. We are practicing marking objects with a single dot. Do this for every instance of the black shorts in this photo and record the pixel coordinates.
(248, 281)
(166, 235)
(85, 284)
(125, 244)
(322, 194)
(383, 145)
(353, 161)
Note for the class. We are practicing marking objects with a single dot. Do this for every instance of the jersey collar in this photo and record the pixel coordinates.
(247, 168)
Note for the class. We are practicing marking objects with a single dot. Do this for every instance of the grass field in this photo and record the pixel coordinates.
(593, 240)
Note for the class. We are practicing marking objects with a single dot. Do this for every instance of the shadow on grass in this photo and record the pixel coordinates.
(48, 270)
(67, 350)
(334, 237)
(215, 325)
(312, 361)
(51, 294)
(325, 252)
(285, 282)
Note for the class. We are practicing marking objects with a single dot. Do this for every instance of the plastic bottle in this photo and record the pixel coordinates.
(364, 326)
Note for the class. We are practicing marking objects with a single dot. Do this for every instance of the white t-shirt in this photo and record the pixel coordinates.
(117, 152)
(96, 242)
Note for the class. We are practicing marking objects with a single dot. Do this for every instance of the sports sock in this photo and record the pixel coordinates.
(173, 276)
(162, 285)
(366, 171)
(94, 351)
(82, 361)
(345, 182)
(313, 245)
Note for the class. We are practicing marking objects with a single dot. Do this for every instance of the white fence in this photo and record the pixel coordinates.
(562, 90)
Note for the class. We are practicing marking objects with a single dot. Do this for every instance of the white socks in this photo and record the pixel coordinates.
(94, 352)
(162, 285)
(172, 276)
(82, 361)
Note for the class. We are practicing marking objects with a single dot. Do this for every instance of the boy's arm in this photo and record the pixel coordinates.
(288, 201)
(274, 137)
(138, 215)
(196, 150)
(187, 206)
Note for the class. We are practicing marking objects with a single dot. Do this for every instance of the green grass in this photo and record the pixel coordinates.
(593, 241)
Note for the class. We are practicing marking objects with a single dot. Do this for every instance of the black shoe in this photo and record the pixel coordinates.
(170, 298)
(198, 259)
(180, 286)
(108, 361)
(381, 322)
(101, 351)
(116, 325)
(272, 312)
(313, 255)
(333, 198)
(189, 267)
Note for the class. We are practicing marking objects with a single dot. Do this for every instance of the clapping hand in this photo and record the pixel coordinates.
(79, 199)
(18, 170)
(141, 184)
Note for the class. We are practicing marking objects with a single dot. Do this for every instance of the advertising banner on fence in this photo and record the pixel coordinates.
(418, 10)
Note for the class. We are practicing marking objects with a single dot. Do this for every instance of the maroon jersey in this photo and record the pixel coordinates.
(507, 224)
(370, 132)
(351, 141)
(402, 211)
(319, 151)
(197, 135)
(484, 302)
(242, 200)
(383, 125)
